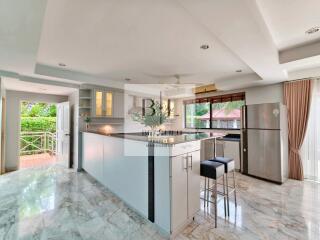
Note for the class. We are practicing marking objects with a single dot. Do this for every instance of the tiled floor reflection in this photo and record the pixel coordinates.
(54, 203)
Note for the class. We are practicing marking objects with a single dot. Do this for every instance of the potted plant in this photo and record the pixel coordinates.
(87, 120)
(154, 118)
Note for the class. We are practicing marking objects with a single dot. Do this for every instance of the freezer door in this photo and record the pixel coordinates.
(263, 116)
(264, 154)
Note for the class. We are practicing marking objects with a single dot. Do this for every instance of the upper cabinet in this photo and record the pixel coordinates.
(108, 104)
(118, 109)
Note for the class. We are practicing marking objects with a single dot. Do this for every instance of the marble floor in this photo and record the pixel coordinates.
(55, 203)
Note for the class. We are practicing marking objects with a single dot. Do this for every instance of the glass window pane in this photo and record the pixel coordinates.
(197, 115)
(109, 104)
(98, 103)
(226, 114)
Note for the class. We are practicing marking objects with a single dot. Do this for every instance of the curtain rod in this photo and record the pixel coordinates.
(301, 79)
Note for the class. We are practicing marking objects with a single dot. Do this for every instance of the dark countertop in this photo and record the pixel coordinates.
(231, 137)
(164, 139)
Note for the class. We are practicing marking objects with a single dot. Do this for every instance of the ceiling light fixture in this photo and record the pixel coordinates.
(313, 30)
(128, 79)
(239, 71)
(62, 65)
(204, 46)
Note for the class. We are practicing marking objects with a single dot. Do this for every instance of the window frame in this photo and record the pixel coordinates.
(214, 99)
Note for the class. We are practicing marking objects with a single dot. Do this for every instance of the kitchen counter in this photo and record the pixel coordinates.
(163, 139)
(159, 178)
(231, 137)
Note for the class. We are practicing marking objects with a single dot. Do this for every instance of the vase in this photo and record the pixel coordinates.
(154, 131)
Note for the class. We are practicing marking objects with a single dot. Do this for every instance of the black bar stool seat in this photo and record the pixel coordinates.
(229, 167)
(228, 163)
(210, 169)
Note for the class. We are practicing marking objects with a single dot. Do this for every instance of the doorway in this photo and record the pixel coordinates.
(38, 131)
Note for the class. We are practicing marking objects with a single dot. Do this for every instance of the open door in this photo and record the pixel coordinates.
(63, 134)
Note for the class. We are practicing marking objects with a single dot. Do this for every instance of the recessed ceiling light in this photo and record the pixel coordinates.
(204, 46)
(128, 79)
(62, 65)
(313, 30)
(239, 71)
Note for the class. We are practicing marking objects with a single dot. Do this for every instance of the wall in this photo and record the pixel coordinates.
(264, 94)
(13, 99)
(2, 150)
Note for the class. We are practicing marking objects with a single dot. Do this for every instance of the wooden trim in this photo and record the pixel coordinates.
(218, 99)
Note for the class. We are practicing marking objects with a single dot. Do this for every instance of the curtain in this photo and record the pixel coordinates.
(297, 97)
(310, 150)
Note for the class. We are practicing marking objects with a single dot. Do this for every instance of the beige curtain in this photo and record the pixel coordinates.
(297, 97)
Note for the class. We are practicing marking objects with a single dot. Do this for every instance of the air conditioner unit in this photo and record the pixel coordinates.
(204, 89)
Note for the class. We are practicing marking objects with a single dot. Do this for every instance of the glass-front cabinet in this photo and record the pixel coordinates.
(103, 106)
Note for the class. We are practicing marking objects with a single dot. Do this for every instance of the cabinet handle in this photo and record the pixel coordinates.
(186, 163)
(190, 161)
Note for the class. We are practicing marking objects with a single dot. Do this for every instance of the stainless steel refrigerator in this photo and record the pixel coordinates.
(264, 140)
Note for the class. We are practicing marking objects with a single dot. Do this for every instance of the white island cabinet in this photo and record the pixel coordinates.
(185, 183)
(160, 181)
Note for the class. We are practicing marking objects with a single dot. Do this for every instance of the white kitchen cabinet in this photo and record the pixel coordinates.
(108, 104)
(179, 192)
(118, 105)
(103, 103)
(193, 183)
(93, 155)
(185, 189)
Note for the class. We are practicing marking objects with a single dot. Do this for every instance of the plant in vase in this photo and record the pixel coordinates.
(153, 118)
(87, 120)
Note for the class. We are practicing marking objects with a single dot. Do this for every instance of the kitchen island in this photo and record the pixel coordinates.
(158, 177)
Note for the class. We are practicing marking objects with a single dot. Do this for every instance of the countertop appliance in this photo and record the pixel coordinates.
(264, 140)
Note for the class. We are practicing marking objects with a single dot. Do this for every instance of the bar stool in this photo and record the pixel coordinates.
(228, 168)
(211, 170)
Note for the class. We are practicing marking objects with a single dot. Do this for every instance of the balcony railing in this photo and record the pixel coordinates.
(37, 142)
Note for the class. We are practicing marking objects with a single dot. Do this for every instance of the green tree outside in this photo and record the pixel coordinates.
(36, 117)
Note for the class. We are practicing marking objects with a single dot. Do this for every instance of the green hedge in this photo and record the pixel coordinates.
(39, 124)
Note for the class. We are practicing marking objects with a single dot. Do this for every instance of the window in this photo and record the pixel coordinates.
(222, 112)
(197, 115)
(227, 114)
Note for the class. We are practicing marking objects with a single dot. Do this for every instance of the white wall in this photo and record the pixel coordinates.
(264, 94)
(13, 100)
(2, 151)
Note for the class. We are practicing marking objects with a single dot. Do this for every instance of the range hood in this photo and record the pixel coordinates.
(136, 105)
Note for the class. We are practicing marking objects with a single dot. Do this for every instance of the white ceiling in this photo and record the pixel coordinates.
(23, 86)
(288, 20)
(106, 41)
(118, 39)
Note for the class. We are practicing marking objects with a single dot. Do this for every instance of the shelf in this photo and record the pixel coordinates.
(84, 107)
(86, 98)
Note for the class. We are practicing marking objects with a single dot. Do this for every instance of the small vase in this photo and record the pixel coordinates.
(153, 132)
